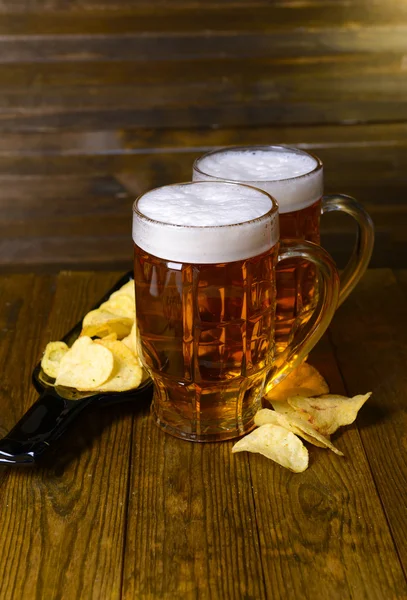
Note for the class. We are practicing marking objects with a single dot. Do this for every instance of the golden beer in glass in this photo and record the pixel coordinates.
(205, 256)
(295, 179)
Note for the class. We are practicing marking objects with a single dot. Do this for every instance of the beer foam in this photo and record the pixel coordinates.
(290, 175)
(205, 222)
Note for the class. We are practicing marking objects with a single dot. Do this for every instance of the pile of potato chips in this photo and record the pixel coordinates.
(302, 409)
(109, 363)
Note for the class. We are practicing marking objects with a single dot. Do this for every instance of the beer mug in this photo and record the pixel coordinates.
(204, 268)
(295, 179)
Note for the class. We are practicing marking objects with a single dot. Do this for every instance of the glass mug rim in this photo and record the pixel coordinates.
(273, 210)
(265, 148)
(178, 242)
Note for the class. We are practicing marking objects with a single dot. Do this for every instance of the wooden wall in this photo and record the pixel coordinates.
(102, 99)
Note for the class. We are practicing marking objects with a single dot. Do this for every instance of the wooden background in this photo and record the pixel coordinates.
(102, 99)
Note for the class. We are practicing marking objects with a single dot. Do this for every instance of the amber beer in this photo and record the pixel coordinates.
(295, 179)
(204, 262)
(296, 292)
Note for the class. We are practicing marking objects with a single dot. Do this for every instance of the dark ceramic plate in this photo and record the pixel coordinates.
(57, 407)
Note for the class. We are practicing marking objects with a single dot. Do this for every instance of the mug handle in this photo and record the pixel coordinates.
(327, 293)
(363, 248)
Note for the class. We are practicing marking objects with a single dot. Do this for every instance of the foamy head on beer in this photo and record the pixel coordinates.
(205, 222)
(293, 177)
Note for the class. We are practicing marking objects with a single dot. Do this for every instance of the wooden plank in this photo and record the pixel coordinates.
(387, 251)
(311, 73)
(59, 5)
(116, 220)
(322, 41)
(75, 117)
(310, 138)
(149, 140)
(375, 173)
(28, 192)
(369, 333)
(113, 224)
(62, 525)
(68, 252)
(17, 317)
(387, 160)
(191, 528)
(58, 18)
(325, 529)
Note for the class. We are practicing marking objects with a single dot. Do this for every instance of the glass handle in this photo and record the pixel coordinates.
(363, 248)
(327, 293)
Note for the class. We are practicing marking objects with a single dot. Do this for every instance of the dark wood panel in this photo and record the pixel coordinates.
(102, 252)
(81, 230)
(101, 243)
(48, 200)
(30, 18)
(307, 137)
(63, 216)
(373, 172)
(150, 47)
(75, 224)
(36, 192)
(96, 92)
(315, 138)
(310, 73)
(70, 117)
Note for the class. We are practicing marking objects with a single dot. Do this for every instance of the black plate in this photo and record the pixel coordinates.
(56, 408)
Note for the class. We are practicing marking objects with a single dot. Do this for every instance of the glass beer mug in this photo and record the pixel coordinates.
(204, 267)
(295, 179)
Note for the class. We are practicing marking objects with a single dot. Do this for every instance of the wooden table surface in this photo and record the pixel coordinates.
(121, 510)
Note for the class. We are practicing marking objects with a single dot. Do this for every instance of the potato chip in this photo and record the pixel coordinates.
(278, 444)
(53, 354)
(128, 289)
(285, 409)
(85, 366)
(296, 425)
(127, 373)
(112, 337)
(121, 305)
(305, 380)
(102, 323)
(131, 340)
(327, 413)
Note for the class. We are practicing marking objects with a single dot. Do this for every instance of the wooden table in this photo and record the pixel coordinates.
(121, 510)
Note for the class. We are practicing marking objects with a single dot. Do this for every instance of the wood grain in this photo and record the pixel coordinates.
(73, 221)
(95, 93)
(122, 510)
(107, 141)
(369, 332)
(191, 529)
(61, 525)
(124, 17)
(155, 46)
(294, 90)
(325, 529)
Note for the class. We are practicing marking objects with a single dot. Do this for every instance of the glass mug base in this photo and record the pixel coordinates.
(207, 414)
